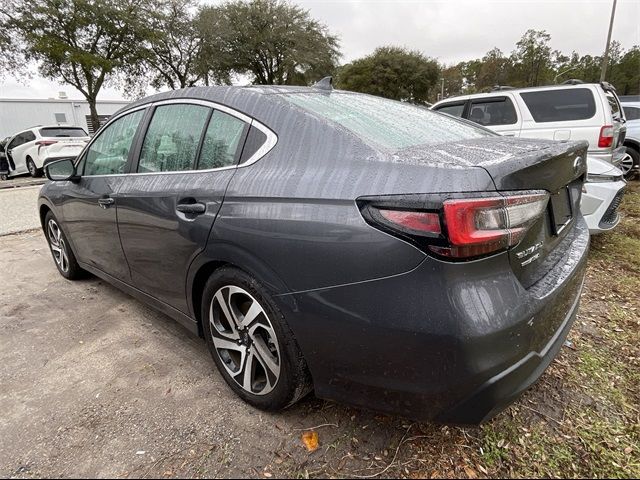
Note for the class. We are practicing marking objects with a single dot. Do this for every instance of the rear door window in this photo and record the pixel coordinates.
(493, 111)
(221, 141)
(173, 137)
(560, 105)
(453, 109)
(28, 137)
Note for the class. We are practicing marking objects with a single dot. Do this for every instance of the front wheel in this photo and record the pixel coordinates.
(63, 256)
(250, 342)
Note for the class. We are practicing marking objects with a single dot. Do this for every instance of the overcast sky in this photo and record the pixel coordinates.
(450, 31)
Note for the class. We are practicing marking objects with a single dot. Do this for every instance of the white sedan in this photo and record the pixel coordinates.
(601, 195)
(28, 151)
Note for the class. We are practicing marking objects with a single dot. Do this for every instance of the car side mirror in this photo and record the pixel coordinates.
(61, 170)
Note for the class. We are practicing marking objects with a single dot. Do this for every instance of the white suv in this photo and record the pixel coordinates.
(28, 151)
(583, 111)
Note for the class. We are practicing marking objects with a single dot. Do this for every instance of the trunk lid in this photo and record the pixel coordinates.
(517, 164)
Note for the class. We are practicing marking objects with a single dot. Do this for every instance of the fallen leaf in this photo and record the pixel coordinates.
(310, 440)
(471, 473)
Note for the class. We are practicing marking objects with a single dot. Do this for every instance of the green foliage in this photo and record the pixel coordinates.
(174, 51)
(83, 43)
(394, 73)
(272, 40)
(531, 59)
(533, 62)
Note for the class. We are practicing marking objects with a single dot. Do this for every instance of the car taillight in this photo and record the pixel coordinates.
(605, 139)
(45, 143)
(457, 228)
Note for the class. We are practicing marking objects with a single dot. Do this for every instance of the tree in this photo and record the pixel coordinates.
(626, 74)
(494, 69)
(84, 43)
(531, 59)
(392, 72)
(11, 60)
(273, 41)
(174, 52)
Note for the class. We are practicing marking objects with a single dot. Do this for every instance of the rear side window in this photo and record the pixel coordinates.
(172, 139)
(221, 141)
(62, 132)
(560, 105)
(387, 123)
(455, 110)
(109, 152)
(28, 137)
(493, 111)
(632, 113)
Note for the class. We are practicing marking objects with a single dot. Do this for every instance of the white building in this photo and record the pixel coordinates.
(20, 114)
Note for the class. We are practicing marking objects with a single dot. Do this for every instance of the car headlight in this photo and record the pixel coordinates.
(603, 178)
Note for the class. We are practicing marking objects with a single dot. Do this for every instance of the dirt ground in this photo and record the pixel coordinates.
(93, 383)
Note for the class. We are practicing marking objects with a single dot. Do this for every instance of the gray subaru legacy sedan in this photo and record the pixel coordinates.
(379, 253)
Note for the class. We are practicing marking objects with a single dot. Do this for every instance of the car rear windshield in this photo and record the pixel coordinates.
(560, 105)
(62, 132)
(387, 123)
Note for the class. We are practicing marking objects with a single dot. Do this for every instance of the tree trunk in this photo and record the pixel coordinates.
(95, 119)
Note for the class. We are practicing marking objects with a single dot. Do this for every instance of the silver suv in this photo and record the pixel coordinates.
(577, 111)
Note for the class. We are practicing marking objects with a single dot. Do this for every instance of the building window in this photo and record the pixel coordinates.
(61, 118)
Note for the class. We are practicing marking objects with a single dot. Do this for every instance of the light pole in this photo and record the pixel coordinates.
(562, 73)
(605, 58)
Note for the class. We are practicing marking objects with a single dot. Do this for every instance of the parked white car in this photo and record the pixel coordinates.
(601, 195)
(582, 111)
(631, 165)
(29, 150)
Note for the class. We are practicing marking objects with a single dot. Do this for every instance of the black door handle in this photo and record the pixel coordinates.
(195, 208)
(106, 202)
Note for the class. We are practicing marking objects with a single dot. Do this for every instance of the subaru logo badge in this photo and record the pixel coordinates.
(577, 164)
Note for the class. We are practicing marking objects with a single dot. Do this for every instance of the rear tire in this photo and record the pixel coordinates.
(34, 171)
(63, 256)
(635, 169)
(251, 343)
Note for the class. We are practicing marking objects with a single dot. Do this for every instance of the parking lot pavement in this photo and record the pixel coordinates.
(18, 209)
(23, 181)
(96, 384)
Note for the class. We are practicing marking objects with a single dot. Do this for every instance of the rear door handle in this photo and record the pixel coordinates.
(106, 202)
(194, 208)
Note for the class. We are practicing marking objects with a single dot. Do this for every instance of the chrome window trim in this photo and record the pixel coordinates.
(267, 146)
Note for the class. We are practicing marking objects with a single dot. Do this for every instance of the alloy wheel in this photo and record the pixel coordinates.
(245, 340)
(58, 246)
(627, 163)
(32, 168)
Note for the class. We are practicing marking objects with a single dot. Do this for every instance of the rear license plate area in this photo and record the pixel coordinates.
(561, 210)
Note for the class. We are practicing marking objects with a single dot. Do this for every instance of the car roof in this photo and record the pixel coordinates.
(252, 100)
(505, 91)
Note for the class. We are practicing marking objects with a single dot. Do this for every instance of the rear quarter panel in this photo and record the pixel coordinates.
(295, 211)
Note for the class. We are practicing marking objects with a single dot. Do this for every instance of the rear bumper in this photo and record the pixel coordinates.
(613, 157)
(599, 205)
(452, 342)
(500, 391)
